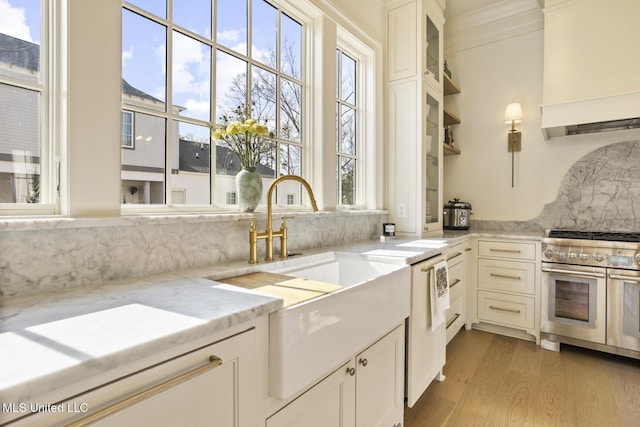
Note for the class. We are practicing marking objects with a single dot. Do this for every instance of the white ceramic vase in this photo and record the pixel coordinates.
(249, 186)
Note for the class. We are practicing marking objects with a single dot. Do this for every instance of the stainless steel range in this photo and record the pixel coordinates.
(591, 290)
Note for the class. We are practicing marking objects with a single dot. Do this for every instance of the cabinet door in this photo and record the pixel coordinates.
(426, 347)
(330, 403)
(402, 39)
(380, 382)
(433, 50)
(431, 214)
(216, 392)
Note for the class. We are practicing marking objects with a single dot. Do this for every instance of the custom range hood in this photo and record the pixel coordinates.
(590, 80)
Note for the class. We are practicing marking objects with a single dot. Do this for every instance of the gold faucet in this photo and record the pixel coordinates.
(268, 234)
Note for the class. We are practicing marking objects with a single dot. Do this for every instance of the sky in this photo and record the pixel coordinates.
(144, 45)
(144, 49)
(21, 19)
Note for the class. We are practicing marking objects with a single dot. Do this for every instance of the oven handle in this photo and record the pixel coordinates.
(625, 278)
(574, 273)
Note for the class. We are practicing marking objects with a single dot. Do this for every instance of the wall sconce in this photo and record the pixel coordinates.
(513, 115)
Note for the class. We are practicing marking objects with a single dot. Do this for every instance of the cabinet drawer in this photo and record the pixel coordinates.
(509, 276)
(455, 318)
(513, 250)
(455, 256)
(509, 310)
(456, 288)
(456, 274)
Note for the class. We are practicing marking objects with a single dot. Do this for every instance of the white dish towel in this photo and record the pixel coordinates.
(439, 284)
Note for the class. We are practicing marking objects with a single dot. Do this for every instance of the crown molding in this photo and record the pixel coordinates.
(491, 24)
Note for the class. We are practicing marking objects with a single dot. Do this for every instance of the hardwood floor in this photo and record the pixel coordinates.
(492, 380)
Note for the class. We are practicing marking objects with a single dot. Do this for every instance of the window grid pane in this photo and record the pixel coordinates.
(168, 70)
(346, 129)
(23, 174)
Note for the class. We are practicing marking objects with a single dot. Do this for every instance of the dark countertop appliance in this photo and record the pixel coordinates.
(456, 215)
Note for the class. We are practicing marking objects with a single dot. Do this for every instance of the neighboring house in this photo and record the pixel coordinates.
(142, 142)
(19, 123)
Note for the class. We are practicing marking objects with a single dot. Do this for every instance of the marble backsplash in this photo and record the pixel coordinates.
(601, 191)
(47, 254)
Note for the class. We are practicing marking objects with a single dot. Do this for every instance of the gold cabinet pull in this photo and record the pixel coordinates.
(505, 276)
(214, 362)
(363, 362)
(454, 282)
(351, 371)
(452, 321)
(510, 310)
(457, 254)
(511, 251)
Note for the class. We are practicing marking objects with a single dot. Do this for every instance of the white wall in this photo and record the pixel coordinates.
(495, 65)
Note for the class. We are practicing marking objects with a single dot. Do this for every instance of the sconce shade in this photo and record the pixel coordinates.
(513, 113)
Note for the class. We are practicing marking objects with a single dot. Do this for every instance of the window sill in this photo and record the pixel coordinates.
(176, 217)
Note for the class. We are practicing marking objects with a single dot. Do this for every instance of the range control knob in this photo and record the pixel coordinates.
(598, 257)
(573, 256)
(561, 254)
(584, 256)
(549, 253)
(638, 258)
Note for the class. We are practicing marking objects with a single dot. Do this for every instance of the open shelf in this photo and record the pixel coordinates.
(450, 87)
(449, 118)
(449, 150)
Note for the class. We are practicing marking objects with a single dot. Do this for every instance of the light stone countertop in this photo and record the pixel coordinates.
(54, 339)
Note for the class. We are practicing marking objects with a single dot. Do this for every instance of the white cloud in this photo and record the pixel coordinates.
(191, 76)
(228, 37)
(198, 108)
(126, 56)
(13, 21)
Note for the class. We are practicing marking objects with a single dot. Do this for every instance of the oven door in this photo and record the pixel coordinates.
(623, 309)
(574, 301)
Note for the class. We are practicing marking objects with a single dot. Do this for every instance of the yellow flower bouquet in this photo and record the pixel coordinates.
(246, 137)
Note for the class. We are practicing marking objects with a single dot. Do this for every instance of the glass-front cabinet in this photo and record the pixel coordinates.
(432, 210)
(414, 115)
(432, 51)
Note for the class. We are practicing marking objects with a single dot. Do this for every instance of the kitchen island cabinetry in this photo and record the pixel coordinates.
(366, 391)
(415, 115)
(507, 294)
(212, 385)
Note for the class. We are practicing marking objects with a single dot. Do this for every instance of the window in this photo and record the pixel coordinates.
(126, 137)
(347, 113)
(24, 142)
(181, 71)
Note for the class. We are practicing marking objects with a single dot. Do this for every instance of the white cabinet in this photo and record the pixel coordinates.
(508, 287)
(366, 391)
(210, 386)
(331, 402)
(457, 260)
(380, 382)
(426, 346)
(414, 93)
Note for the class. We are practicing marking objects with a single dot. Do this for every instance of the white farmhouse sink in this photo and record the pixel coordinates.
(310, 339)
